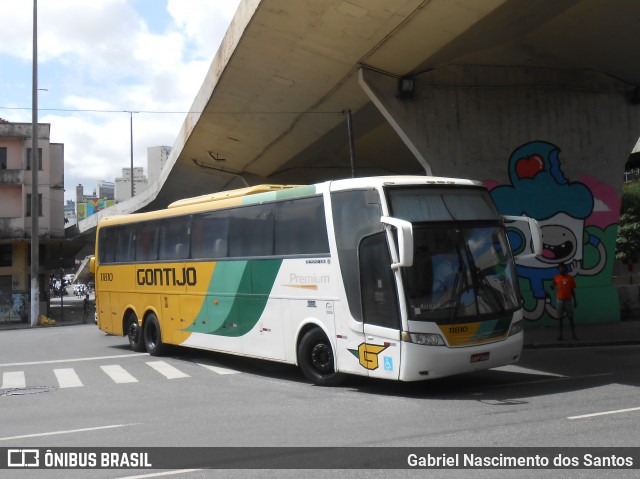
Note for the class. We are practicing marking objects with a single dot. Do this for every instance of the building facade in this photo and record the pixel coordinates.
(15, 213)
(106, 190)
(156, 159)
(123, 184)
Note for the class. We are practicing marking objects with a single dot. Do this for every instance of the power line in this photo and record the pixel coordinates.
(74, 110)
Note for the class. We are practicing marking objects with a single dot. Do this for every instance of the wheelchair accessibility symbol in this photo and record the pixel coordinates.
(388, 363)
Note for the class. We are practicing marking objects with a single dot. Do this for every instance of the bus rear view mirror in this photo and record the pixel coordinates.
(405, 241)
(534, 233)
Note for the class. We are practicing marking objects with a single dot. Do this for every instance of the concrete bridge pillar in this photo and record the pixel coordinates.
(549, 143)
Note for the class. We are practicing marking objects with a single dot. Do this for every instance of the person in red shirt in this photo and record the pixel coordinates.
(565, 297)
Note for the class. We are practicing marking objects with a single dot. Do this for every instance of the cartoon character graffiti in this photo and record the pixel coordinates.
(540, 190)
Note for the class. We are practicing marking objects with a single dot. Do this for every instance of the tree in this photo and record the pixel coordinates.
(628, 240)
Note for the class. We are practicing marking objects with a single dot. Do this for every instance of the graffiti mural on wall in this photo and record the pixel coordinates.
(578, 220)
(91, 206)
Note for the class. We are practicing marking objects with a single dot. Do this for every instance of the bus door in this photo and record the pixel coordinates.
(380, 352)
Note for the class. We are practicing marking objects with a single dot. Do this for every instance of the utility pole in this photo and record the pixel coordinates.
(352, 151)
(131, 145)
(35, 204)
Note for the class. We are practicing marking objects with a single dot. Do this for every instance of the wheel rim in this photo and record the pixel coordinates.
(322, 358)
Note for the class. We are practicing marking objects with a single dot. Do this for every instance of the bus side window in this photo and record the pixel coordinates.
(146, 242)
(107, 246)
(125, 243)
(301, 227)
(251, 231)
(209, 235)
(174, 238)
(356, 214)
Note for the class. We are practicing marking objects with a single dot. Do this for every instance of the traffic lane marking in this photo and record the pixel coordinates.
(522, 370)
(604, 413)
(69, 431)
(57, 361)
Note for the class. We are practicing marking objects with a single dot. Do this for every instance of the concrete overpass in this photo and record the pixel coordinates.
(504, 91)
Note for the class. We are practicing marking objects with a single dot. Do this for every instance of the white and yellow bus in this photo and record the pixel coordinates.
(403, 278)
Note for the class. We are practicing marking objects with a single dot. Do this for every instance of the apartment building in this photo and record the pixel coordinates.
(123, 184)
(15, 214)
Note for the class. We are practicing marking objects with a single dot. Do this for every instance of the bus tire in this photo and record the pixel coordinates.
(315, 358)
(134, 333)
(153, 336)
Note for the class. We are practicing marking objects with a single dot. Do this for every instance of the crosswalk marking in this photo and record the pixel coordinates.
(118, 374)
(167, 370)
(13, 379)
(67, 378)
(218, 369)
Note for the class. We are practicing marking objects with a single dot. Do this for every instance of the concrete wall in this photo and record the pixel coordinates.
(549, 143)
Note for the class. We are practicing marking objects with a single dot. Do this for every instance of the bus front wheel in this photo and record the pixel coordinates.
(134, 333)
(315, 358)
(153, 336)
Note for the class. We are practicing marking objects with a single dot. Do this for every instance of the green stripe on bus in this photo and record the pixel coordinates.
(236, 297)
(279, 195)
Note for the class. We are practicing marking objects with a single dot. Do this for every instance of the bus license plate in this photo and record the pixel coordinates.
(476, 358)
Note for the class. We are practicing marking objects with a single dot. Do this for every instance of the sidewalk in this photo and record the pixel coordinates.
(71, 312)
(617, 333)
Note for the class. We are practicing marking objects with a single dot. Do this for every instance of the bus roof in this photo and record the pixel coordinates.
(267, 192)
(224, 195)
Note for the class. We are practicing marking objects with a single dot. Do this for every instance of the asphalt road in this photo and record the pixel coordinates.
(76, 387)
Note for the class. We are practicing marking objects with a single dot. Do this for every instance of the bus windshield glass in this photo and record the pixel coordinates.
(462, 267)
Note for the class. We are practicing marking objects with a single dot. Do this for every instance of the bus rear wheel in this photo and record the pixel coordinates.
(153, 336)
(315, 358)
(134, 333)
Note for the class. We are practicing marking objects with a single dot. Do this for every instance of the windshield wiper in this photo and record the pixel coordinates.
(456, 286)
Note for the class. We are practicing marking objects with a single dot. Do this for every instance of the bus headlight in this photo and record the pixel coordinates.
(515, 328)
(427, 339)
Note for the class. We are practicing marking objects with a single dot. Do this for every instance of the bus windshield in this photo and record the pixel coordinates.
(460, 272)
(462, 265)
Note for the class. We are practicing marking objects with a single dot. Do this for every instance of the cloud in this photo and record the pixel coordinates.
(113, 56)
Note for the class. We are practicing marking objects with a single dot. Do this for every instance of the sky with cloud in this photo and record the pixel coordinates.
(98, 60)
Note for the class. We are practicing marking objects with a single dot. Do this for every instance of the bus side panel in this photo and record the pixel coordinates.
(191, 304)
(118, 301)
(170, 320)
(103, 308)
(382, 353)
(266, 340)
(350, 341)
(159, 287)
(105, 283)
